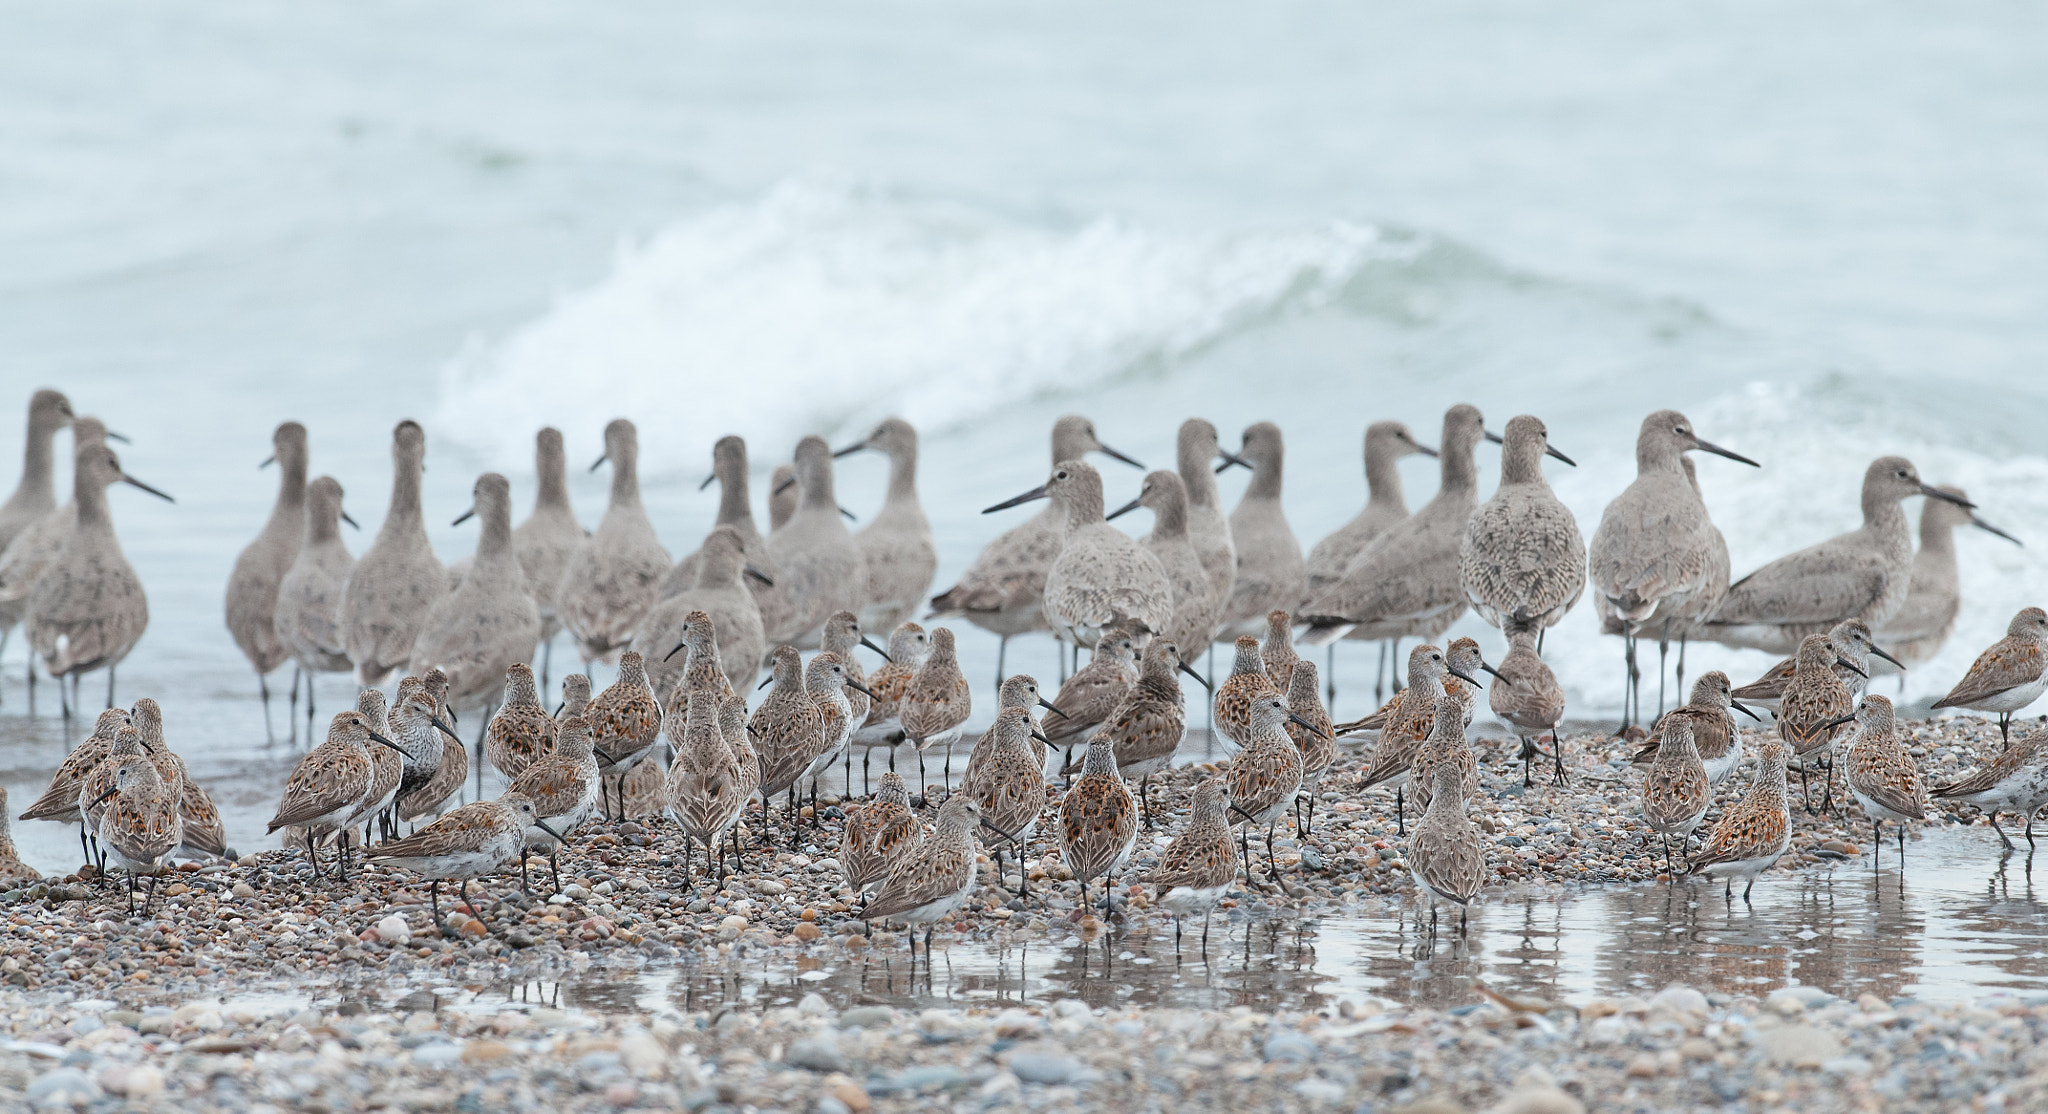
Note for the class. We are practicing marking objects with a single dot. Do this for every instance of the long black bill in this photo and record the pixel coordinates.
(1465, 677)
(757, 574)
(347, 519)
(1309, 726)
(1933, 492)
(1745, 710)
(465, 516)
(1851, 667)
(267, 461)
(870, 644)
(848, 515)
(1231, 460)
(1114, 455)
(992, 826)
(381, 739)
(543, 826)
(1040, 736)
(1888, 657)
(708, 481)
(1039, 492)
(1839, 720)
(1492, 436)
(1492, 670)
(784, 486)
(674, 652)
(1051, 707)
(765, 682)
(105, 795)
(131, 481)
(127, 440)
(1184, 667)
(1425, 450)
(1710, 447)
(1990, 529)
(1123, 510)
(850, 449)
(1551, 450)
(599, 462)
(860, 688)
(437, 721)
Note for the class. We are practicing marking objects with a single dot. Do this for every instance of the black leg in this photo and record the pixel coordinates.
(1244, 850)
(263, 689)
(2002, 837)
(1400, 813)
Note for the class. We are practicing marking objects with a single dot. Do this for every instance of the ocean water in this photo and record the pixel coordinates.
(1817, 231)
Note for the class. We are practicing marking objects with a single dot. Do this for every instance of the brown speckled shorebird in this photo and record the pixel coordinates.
(14, 874)
(937, 703)
(936, 877)
(398, 578)
(1233, 700)
(1410, 724)
(2010, 675)
(1277, 649)
(432, 796)
(818, 567)
(816, 743)
(59, 802)
(1921, 626)
(1317, 742)
(549, 537)
(1197, 868)
(1810, 706)
(1446, 856)
(879, 835)
(252, 585)
(1715, 733)
(703, 671)
(720, 594)
(909, 645)
(87, 609)
(708, 785)
(563, 788)
(521, 731)
(306, 617)
(1196, 608)
(1658, 563)
(2015, 781)
(140, 826)
(1749, 838)
(1101, 578)
(614, 578)
(1196, 447)
(1853, 646)
(786, 724)
(328, 784)
(468, 843)
(422, 734)
(1526, 696)
(1676, 792)
(1522, 559)
(1010, 786)
(1003, 590)
(387, 766)
(1018, 691)
(841, 635)
(99, 782)
(1448, 741)
(1271, 572)
(1264, 777)
(896, 546)
(1146, 727)
(625, 720)
(1882, 777)
(1098, 823)
(1087, 698)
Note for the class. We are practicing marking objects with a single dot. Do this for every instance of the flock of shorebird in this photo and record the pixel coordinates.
(691, 636)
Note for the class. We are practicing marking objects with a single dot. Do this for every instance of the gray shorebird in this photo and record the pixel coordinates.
(1715, 733)
(521, 732)
(897, 552)
(1749, 838)
(563, 787)
(936, 705)
(1409, 727)
(614, 578)
(908, 647)
(935, 878)
(1658, 563)
(1265, 777)
(1146, 727)
(307, 614)
(1863, 574)
(1101, 577)
(1098, 823)
(87, 609)
(1385, 507)
(720, 592)
(394, 583)
(1271, 572)
(251, 603)
(782, 501)
(1446, 856)
(1526, 696)
(387, 768)
(2010, 675)
(2014, 781)
(33, 539)
(1850, 639)
(14, 874)
(735, 509)
(625, 720)
(1522, 559)
(1277, 648)
(1018, 691)
(1009, 784)
(1676, 792)
(549, 537)
(328, 785)
(879, 836)
(1198, 867)
(1003, 590)
(1196, 610)
(1448, 742)
(477, 632)
(431, 797)
(467, 844)
(422, 734)
(818, 567)
(1921, 625)
(35, 495)
(59, 801)
(1196, 447)
(1881, 775)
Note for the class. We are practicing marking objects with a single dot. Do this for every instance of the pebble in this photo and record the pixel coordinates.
(820, 1053)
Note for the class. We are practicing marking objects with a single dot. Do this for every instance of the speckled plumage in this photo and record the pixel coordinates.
(1749, 838)
(908, 647)
(1715, 734)
(938, 701)
(1921, 625)
(898, 556)
(1525, 693)
(1446, 744)
(625, 718)
(1814, 698)
(59, 801)
(1101, 578)
(1195, 448)
(2016, 780)
(2011, 674)
(1446, 855)
(1196, 609)
(1233, 700)
(1851, 641)
(1676, 792)
(481, 629)
(1522, 559)
(1093, 692)
(1657, 556)
(521, 730)
(1197, 868)
(934, 878)
(1146, 726)
(879, 835)
(1098, 818)
(1385, 507)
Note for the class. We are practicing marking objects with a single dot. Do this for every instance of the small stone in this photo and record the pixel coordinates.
(731, 927)
(62, 1087)
(1644, 1066)
(437, 1055)
(1045, 1067)
(394, 930)
(1430, 1106)
(867, 1017)
(243, 890)
(1680, 1000)
(485, 1051)
(1289, 1048)
(1539, 1099)
(1848, 1065)
(807, 931)
(819, 1053)
(851, 1095)
(1801, 1046)
(1318, 1090)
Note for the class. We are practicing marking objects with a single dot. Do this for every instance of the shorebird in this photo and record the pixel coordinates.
(708, 784)
(468, 843)
(14, 874)
(1917, 630)
(1277, 649)
(1146, 726)
(203, 836)
(1098, 823)
(1522, 559)
(36, 493)
(1881, 774)
(34, 545)
(98, 783)
(1406, 582)
(1232, 702)
(1715, 733)
(935, 878)
(1196, 609)
(703, 676)
(2015, 781)
(1196, 447)
(422, 735)
(59, 802)
(477, 632)
(140, 826)
(87, 608)
(260, 568)
(1863, 574)
(841, 634)
(387, 768)
(1101, 577)
(1271, 572)
(1087, 698)
(1009, 783)
(2010, 675)
(813, 742)
(613, 579)
(549, 537)
(1408, 728)
(1385, 444)
(1265, 777)
(909, 645)
(937, 703)
(896, 547)
(328, 784)
(1676, 791)
(1317, 742)
(720, 592)
(625, 719)
(563, 788)
(1003, 591)
(1658, 562)
(1018, 691)
(1447, 743)
(432, 796)
(786, 724)
(521, 732)
(1849, 639)
(735, 509)
(394, 583)
(1749, 838)
(782, 499)
(306, 618)
(818, 568)
(1810, 704)
(1446, 856)
(1197, 868)
(879, 835)
(1526, 696)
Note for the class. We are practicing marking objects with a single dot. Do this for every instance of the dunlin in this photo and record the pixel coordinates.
(140, 826)
(909, 645)
(1526, 696)
(625, 720)
(935, 878)
(1317, 742)
(1087, 698)
(709, 784)
(521, 731)
(327, 785)
(1676, 792)
(1146, 727)
(562, 785)
(879, 835)
(1448, 742)
(2010, 675)
(1009, 783)
(1098, 822)
(1410, 725)
(1882, 776)
(1233, 700)
(1197, 868)
(59, 802)
(1810, 707)
(1851, 641)
(1715, 734)
(1265, 777)
(937, 703)
(468, 843)
(1749, 838)
(1446, 856)
(2015, 781)
(1018, 691)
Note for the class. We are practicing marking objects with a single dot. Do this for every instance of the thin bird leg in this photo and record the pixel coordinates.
(1679, 683)
(1244, 843)
(866, 757)
(554, 870)
(2002, 837)
(1145, 798)
(313, 853)
(110, 686)
(475, 910)
(1379, 675)
(263, 688)
(1330, 677)
(1663, 662)
(1876, 842)
(1272, 865)
(1557, 757)
(1400, 813)
(1002, 653)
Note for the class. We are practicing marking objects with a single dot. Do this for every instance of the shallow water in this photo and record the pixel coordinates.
(1964, 923)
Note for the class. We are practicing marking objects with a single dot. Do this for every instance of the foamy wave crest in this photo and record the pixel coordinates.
(823, 306)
